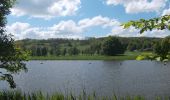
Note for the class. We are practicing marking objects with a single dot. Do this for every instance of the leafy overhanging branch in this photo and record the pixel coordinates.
(159, 23)
(12, 65)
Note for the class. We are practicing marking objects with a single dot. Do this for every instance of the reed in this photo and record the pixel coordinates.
(17, 95)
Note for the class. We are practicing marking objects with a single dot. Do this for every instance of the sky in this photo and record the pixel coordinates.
(80, 19)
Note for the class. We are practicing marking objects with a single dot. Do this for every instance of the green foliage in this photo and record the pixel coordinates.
(162, 48)
(159, 23)
(44, 51)
(17, 95)
(13, 64)
(73, 51)
(112, 46)
(10, 57)
(89, 47)
(39, 51)
(64, 52)
(141, 57)
(146, 56)
(125, 56)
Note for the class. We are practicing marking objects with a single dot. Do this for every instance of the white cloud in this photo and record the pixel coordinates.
(166, 12)
(66, 27)
(72, 29)
(132, 32)
(98, 21)
(63, 29)
(157, 33)
(41, 32)
(17, 12)
(137, 6)
(46, 8)
(17, 28)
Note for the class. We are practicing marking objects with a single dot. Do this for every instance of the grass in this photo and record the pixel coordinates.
(126, 56)
(17, 95)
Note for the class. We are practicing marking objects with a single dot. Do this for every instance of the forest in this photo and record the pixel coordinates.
(90, 46)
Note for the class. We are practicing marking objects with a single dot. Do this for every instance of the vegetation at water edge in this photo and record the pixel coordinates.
(17, 95)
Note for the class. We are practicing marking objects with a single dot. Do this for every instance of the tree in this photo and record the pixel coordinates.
(64, 52)
(146, 45)
(131, 46)
(33, 51)
(44, 51)
(10, 57)
(69, 44)
(112, 46)
(95, 47)
(39, 51)
(159, 23)
(6, 42)
(162, 48)
(73, 51)
(57, 51)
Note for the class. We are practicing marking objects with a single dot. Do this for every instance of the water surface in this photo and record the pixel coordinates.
(147, 78)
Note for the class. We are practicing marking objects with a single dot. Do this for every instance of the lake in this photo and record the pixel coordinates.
(148, 78)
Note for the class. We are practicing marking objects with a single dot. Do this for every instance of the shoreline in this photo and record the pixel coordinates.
(123, 57)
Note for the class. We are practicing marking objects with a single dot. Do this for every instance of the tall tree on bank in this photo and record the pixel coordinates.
(112, 46)
(161, 23)
(162, 48)
(10, 57)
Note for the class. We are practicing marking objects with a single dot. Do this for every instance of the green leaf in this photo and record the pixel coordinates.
(141, 57)
(160, 23)
(127, 25)
(143, 30)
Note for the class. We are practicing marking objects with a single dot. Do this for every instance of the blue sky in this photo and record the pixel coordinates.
(43, 19)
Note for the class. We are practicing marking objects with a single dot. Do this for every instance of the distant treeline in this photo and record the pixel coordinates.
(91, 46)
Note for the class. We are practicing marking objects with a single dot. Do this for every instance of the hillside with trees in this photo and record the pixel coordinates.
(93, 46)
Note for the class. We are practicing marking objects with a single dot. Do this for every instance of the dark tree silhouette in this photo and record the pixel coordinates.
(10, 57)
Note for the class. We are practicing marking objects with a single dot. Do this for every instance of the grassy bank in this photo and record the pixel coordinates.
(16, 95)
(126, 56)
